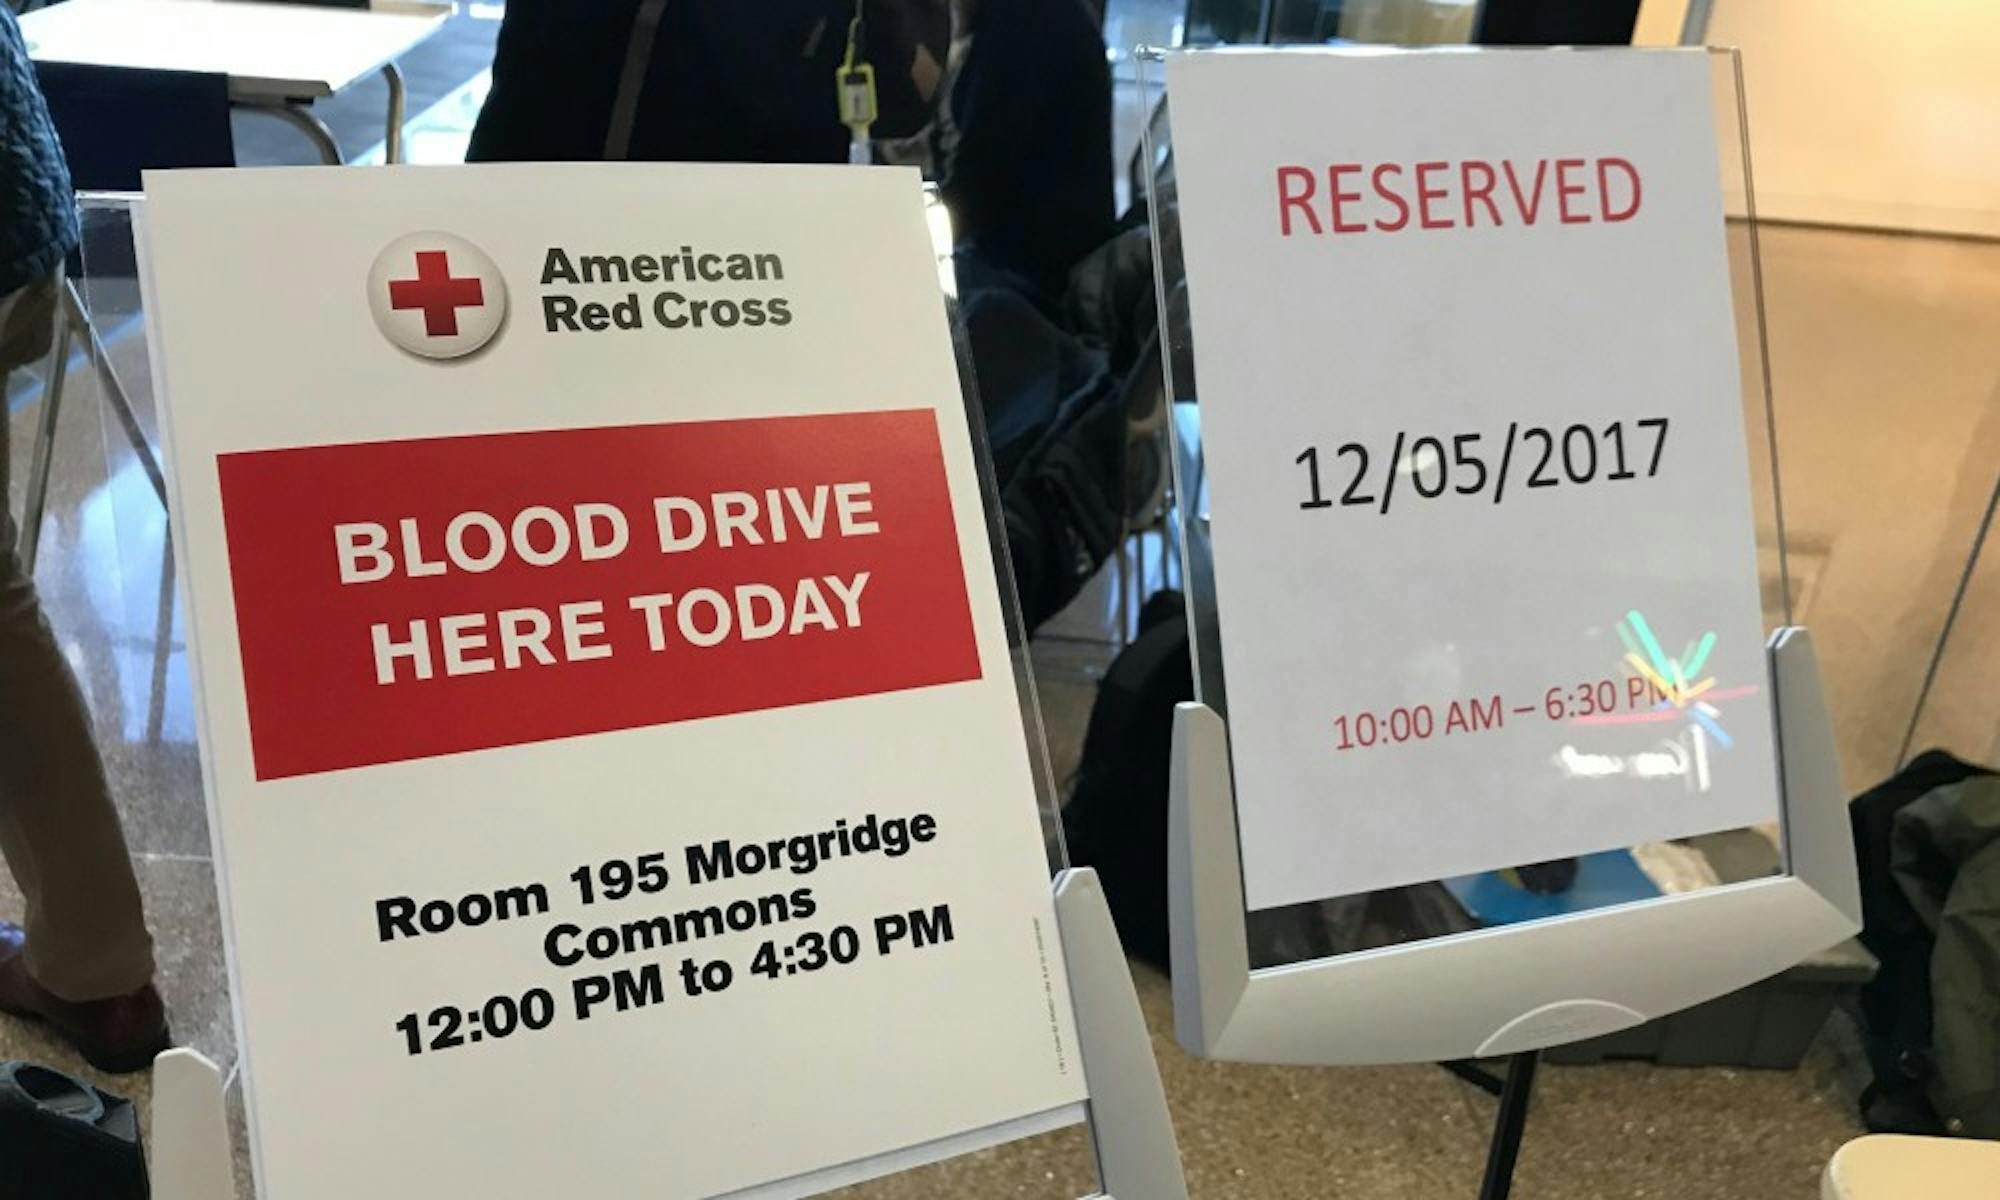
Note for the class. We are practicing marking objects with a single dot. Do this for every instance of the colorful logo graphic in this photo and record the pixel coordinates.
(1678, 680)
(436, 295)
(1670, 689)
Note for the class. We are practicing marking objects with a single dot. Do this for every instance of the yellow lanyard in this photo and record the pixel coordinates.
(854, 90)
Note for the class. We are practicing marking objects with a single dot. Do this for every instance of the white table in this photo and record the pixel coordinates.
(278, 58)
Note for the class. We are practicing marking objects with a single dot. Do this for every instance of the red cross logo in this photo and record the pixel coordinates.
(458, 289)
(437, 293)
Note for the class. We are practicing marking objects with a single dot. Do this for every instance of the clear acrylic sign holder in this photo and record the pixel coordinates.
(1125, 1110)
(1407, 977)
(1954, 710)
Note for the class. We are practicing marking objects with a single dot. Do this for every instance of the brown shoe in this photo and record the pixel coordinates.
(118, 1035)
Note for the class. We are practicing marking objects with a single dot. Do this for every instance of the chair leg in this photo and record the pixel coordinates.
(1121, 555)
(163, 641)
(302, 117)
(41, 453)
(1170, 542)
(1129, 585)
(1144, 579)
(392, 137)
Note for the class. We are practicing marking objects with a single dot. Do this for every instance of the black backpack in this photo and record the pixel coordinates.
(62, 1139)
(1897, 1006)
(1116, 818)
(1056, 427)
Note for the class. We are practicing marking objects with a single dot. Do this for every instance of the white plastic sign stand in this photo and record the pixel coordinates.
(190, 1148)
(1507, 990)
(1477, 461)
(616, 764)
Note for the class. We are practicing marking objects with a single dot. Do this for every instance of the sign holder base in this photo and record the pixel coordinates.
(1130, 1130)
(1510, 989)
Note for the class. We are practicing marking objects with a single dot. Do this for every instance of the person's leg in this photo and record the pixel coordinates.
(59, 832)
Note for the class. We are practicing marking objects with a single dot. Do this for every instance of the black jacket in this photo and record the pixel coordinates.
(1024, 152)
(724, 80)
(37, 209)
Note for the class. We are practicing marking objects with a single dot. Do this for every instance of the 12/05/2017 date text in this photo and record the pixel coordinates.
(1577, 454)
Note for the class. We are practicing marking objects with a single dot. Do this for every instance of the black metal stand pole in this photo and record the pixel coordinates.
(1508, 1125)
(1474, 1074)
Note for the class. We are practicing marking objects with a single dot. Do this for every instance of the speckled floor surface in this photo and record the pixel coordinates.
(1416, 1131)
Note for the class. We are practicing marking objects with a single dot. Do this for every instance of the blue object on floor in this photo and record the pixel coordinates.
(1602, 879)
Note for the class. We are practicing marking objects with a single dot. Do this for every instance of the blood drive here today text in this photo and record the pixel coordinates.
(431, 595)
(475, 542)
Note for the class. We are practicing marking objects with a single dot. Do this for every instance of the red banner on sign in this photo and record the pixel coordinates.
(399, 600)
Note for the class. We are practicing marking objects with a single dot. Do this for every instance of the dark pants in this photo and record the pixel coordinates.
(59, 832)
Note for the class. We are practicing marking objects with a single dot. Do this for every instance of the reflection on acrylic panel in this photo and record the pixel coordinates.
(123, 565)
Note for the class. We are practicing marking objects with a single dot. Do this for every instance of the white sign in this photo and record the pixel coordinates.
(615, 769)
(1480, 495)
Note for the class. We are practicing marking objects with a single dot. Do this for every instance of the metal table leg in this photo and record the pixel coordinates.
(392, 138)
(308, 123)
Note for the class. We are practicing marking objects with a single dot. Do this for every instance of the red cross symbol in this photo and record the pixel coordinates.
(437, 293)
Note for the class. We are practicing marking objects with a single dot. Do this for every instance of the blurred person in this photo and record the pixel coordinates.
(1556, 22)
(1022, 142)
(1022, 150)
(84, 963)
(1021, 147)
(701, 80)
